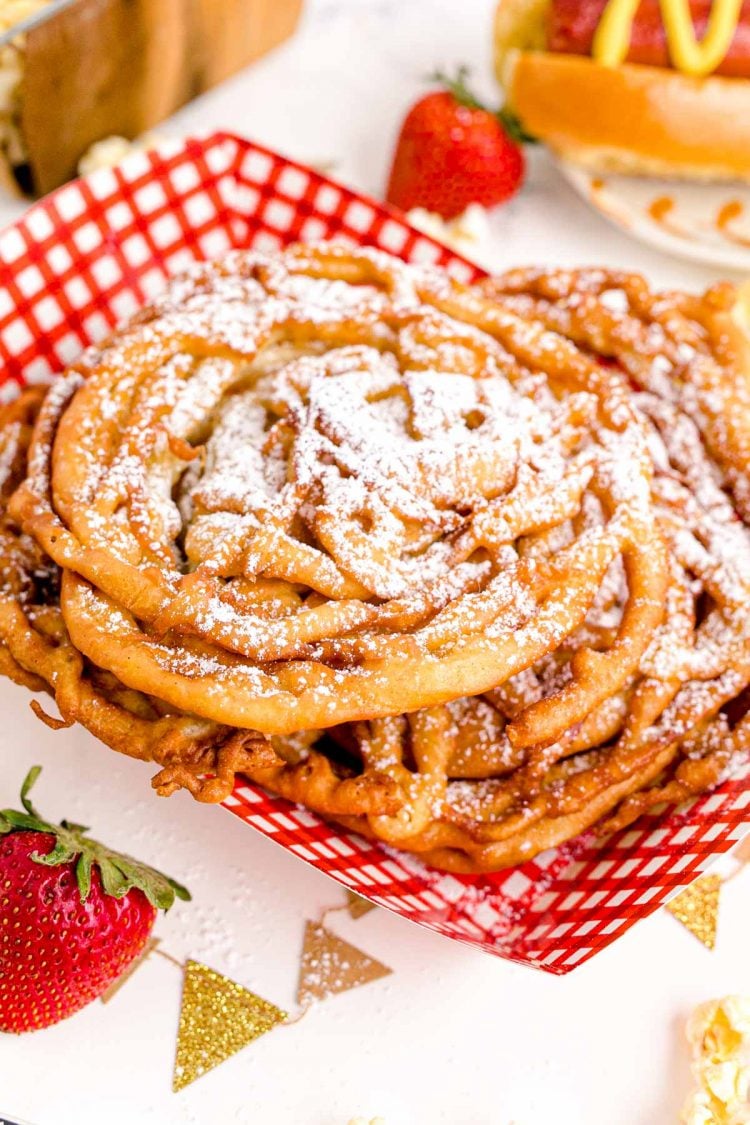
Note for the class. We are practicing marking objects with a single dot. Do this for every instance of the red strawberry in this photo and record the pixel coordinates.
(73, 915)
(452, 152)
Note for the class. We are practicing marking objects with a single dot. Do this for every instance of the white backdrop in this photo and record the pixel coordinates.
(454, 1036)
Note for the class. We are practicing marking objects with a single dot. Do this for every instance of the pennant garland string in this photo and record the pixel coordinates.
(218, 1016)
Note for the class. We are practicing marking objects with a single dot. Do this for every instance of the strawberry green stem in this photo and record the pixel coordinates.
(458, 87)
(119, 873)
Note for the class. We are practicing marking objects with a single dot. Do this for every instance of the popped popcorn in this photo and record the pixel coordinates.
(719, 1035)
(111, 150)
(11, 75)
(467, 234)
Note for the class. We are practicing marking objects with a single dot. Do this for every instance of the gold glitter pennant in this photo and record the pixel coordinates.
(218, 1018)
(697, 907)
(330, 965)
(115, 987)
(358, 905)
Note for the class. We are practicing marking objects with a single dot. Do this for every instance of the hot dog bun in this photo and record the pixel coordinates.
(640, 120)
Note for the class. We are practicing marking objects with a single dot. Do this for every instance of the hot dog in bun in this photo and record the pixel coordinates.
(656, 87)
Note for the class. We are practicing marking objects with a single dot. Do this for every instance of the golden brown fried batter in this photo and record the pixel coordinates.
(475, 562)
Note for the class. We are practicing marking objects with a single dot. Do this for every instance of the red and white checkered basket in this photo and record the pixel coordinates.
(98, 249)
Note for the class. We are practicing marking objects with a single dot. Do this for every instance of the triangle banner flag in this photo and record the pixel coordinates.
(217, 1019)
(330, 965)
(358, 905)
(697, 907)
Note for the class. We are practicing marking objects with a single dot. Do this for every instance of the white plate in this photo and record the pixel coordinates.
(708, 223)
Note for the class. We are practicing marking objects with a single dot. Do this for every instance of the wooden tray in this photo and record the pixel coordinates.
(103, 67)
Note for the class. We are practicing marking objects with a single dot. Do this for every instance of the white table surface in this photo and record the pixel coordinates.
(453, 1036)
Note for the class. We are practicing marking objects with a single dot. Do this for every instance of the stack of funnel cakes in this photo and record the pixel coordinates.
(464, 570)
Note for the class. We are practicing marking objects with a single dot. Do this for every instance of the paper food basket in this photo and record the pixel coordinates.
(87, 257)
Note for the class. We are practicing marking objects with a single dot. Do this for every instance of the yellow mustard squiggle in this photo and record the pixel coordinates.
(687, 53)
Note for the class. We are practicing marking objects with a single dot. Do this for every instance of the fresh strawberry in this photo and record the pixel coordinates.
(73, 915)
(452, 152)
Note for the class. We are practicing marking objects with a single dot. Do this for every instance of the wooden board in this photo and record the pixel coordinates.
(105, 67)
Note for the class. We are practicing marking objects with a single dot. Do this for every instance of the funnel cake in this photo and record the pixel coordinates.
(304, 490)
(466, 571)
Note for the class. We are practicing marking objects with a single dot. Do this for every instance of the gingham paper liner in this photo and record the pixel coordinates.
(88, 256)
